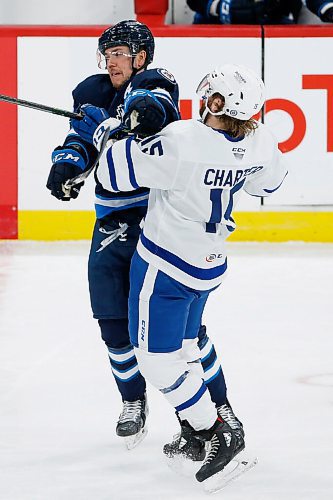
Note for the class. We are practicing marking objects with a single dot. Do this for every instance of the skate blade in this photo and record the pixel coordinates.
(232, 471)
(133, 441)
(183, 466)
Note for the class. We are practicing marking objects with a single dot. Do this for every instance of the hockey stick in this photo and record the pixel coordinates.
(40, 107)
(81, 177)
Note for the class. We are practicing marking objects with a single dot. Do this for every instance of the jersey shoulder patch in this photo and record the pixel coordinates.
(152, 78)
(166, 74)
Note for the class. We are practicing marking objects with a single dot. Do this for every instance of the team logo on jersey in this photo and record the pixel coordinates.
(211, 257)
(120, 112)
(128, 90)
(169, 76)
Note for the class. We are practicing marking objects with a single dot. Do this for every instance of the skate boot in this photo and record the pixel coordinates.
(221, 450)
(132, 422)
(226, 413)
(185, 445)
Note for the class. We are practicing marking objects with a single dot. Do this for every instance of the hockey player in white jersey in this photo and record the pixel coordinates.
(196, 171)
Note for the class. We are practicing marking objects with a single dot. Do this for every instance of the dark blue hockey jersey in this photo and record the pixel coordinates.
(246, 11)
(98, 90)
(319, 7)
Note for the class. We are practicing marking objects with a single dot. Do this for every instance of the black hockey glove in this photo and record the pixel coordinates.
(198, 6)
(68, 162)
(327, 17)
(144, 115)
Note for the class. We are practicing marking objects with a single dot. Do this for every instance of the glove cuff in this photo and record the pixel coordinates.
(224, 12)
(113, 123)
(326, 13)
(67, 155)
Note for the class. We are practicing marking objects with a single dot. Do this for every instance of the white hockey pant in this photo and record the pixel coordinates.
(179, 376)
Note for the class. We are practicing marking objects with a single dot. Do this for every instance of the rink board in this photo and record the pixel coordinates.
(43, 64)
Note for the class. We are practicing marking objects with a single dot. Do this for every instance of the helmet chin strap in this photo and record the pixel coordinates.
(204, 114)
(208, 111)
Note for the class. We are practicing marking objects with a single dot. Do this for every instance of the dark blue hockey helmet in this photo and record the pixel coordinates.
(135, 35)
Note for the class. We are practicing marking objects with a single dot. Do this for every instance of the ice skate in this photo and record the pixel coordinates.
(185, 444)
(185, 453)
(220, 466)
(132, 422)
(226, 413)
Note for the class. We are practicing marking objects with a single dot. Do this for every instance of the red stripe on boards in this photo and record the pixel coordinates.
(8, 139)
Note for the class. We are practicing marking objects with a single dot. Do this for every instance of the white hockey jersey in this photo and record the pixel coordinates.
(196, 175)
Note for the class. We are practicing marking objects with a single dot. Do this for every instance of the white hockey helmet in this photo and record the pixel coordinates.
(243, 91)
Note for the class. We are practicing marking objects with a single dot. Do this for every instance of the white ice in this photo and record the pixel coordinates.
(272, 325)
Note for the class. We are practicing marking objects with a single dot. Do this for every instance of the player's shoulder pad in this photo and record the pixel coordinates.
(265, 139)
(178, 129)
(153, 78)
(179, 126)
(265, 133)
(96, 90)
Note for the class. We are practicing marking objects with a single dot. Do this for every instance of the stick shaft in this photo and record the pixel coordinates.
(40, 107)
(82, 177)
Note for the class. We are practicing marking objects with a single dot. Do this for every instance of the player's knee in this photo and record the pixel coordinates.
(190, 350)
(114, 332)
(161, 369)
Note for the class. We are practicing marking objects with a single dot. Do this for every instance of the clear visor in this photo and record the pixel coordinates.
(204, 87)
(116, 55)
(204, 91)
(101, 61)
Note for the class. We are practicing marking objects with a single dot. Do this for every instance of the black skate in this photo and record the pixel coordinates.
(186, 444)
(132, 422)
(226, 413)
(223, 446)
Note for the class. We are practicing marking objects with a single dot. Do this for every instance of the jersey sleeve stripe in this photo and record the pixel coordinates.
(130, 163)
(275, 189)
(112, 171)
(146, 141)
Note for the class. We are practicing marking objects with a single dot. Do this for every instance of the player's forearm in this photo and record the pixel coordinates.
(88, 151)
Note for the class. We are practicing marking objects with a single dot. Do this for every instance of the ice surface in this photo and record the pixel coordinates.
(272, 326)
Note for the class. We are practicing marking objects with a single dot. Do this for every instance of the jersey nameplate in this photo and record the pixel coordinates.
(227, 178)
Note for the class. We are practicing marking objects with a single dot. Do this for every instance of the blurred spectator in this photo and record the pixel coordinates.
(256, 11)
(324, 10)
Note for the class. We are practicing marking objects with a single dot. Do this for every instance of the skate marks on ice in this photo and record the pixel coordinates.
(319, 379)
(236, 468)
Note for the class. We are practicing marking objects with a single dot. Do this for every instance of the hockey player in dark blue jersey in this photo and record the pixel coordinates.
(144, 100)
(322, 8)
